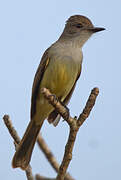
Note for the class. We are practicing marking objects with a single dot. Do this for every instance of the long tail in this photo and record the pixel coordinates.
(23, 154)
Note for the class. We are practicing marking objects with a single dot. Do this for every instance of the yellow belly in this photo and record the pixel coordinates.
(59, 78)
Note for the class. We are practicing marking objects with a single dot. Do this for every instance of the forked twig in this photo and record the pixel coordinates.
(73, 123)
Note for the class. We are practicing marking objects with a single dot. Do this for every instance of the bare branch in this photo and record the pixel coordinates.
(50, 157)
(74, 125)
(11, 129)
(72, 122)
(38, 177)
(16, 138)
(62, 110)
(89, 105)
(45, 149)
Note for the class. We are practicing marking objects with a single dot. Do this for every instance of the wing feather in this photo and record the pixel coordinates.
(37, 80)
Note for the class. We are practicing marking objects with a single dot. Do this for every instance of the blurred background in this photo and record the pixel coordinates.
(27, 28)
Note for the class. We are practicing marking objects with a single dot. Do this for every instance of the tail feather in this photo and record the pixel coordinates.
(23, 154)
(54, 118)
(56, 121)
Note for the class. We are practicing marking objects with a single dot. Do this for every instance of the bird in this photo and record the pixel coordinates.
(59, 69)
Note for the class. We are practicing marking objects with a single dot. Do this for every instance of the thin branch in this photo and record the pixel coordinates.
(11, 129)
(89, 105)
(38, 177)
(73, 123)
(16, 138)
(50, 157)
(48, 154)
(62, 110)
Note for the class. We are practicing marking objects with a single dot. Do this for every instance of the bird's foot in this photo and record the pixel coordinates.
(67, 111)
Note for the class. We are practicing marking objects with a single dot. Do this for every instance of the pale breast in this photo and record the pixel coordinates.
(62, 72)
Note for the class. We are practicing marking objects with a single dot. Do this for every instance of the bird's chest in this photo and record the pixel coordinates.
(62, 72)
(66, 71)
(62, 75)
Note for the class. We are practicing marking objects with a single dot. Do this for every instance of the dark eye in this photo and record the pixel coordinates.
(79, 25)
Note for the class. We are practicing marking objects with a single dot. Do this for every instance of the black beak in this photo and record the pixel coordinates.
(96, 29)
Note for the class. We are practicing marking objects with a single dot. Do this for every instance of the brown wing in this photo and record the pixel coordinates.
(37, 80)
(54, 114)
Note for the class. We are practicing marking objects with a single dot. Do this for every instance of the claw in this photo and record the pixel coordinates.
(54, 96)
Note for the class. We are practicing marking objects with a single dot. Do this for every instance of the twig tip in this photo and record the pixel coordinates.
(6, 117)
(95, 90)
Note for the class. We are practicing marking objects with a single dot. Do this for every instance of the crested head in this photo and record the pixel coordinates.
(79, 27)
(79, 22)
